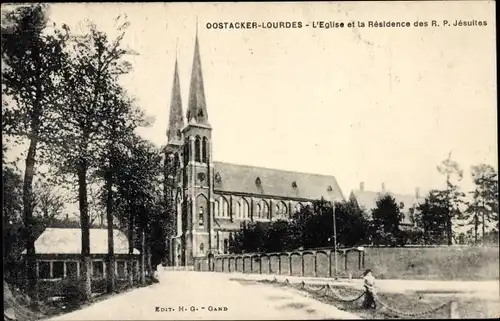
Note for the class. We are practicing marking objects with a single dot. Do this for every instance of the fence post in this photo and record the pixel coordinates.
(243, 264)
(315, 264)
(279, 264)
(260, 264)
(330, 264)
(229, 264)
(302, 259)
(251, 264)
(290, 263)
(454, 310)
(222, 264)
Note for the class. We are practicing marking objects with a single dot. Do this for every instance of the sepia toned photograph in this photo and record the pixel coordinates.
(250, 161)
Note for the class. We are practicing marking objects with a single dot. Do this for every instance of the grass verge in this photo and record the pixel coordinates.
(408, 303)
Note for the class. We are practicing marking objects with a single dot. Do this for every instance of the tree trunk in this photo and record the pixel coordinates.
(29, 172)
(130, 265)
(149, 266)
(476, 225)
(111, 244)
(143, 255)
(483, 227)
(84, 223)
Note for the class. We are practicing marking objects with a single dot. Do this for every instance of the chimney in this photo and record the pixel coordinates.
(417, 192)
(362, 186)
(383, 187)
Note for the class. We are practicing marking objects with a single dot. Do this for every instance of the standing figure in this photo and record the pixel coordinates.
(369, 284)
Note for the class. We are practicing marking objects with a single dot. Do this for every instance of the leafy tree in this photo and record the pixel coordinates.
(351, 223)
(483, 208)
(139, 195)
(386, 220)
(432, 217)
(47, 212)
(123, 120)
(311, 227)
(91, 83)
(13, 230)
(32, 60)
(451, 195)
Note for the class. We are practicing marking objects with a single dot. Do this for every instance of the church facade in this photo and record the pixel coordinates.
(209, 200)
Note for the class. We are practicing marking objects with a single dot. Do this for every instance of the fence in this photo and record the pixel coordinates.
(331, 295)
(314, 263)
(411, 263)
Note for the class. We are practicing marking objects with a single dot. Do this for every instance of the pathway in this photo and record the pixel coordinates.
(187, 295)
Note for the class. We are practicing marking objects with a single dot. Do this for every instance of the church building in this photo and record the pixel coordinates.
(209, 200)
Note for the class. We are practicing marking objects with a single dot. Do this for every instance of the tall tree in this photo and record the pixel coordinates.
(483, 209)
(91, 76)
(138, 194)
(386, 220)
(32, 60)
(451, 195)
(432, 217)
(123, 120)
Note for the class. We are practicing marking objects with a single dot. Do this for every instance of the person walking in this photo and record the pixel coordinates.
(369, 284)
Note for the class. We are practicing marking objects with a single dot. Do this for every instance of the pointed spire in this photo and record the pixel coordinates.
(176, 120)
(197, 109)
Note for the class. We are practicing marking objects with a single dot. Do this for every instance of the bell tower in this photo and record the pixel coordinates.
(197, 173)
(173, 176)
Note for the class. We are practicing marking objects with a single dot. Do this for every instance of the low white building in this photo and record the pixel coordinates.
(58, 253)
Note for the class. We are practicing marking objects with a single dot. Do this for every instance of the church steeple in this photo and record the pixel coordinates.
(197, 109)
(176, 120)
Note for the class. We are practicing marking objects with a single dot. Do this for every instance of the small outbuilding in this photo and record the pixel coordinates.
(58, 253)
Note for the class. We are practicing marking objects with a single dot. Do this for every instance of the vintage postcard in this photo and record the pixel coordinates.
(250, 161)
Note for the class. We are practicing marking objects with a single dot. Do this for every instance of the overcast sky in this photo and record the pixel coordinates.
(372, 105)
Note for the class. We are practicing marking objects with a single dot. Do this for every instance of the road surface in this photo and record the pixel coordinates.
(188, 295)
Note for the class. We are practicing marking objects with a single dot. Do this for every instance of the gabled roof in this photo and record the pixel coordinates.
(368, 201)
(274, 182)
(69, 241)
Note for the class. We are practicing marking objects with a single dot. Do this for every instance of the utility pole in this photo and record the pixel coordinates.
(334, 240)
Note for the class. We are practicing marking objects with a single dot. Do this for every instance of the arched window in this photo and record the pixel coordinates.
(239, 212)
(186, 152)
(258, 212)
(201, 217)
(197, 149)
(216, 208)
(226, 246)
(223, 207)
(264, 210)
(204, 153)
(202, 248)
(298, 208)
(281, 210)
(245, 209)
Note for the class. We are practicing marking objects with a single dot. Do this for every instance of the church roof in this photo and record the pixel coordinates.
(69, 241)
(176, 119)
(273, 182)
(197, 109)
